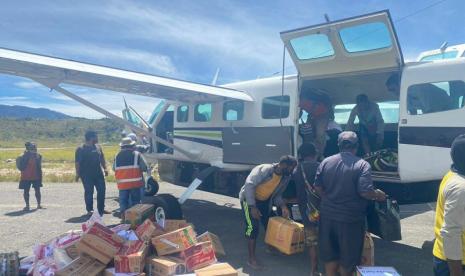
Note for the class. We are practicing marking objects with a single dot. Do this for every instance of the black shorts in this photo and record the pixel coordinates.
(252, 226)
(26, 184)
(341, 242)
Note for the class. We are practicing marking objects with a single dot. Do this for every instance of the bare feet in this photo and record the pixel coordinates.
(255, 265)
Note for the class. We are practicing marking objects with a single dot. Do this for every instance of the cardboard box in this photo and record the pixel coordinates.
(131, 257)
(171, 225)
(84, 265)
(148, 229)
(100, 243)
(112, 272)
(285, 235)
(174, 242)
(368, 253)
(376, 271)
(221, 269)
(138, 213)
(198, 256)
(215, 240)
(71, 249)
(166, 266)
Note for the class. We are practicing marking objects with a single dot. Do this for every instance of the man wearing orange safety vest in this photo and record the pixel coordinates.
(129, 166)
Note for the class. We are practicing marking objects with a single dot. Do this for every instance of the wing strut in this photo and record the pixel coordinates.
(110, 115)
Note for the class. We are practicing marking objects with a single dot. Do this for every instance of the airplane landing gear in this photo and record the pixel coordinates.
(166, 206)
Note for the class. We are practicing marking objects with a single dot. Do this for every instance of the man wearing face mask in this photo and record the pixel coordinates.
(263, 188)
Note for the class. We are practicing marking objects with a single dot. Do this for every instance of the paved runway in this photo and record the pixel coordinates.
(215, 213)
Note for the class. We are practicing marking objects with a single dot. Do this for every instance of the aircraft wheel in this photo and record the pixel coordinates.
(152, 187)
(166, 206)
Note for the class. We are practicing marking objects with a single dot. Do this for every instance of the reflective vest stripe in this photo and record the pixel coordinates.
(129, 180)
(129, 177)
(128, 167)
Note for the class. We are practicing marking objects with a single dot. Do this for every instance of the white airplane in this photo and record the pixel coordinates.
(444, 52)
(218, 133)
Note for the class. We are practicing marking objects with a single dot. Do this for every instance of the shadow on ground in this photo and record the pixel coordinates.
(80, 219)
(20, 213)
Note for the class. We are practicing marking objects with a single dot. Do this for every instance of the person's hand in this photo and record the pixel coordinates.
(380, 139)
(285, 212)
(106, 172)
(255, 212)
(76, 178)
(380, 195)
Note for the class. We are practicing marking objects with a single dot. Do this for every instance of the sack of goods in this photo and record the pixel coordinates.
(384, 220)
(285, 235)
(141, 247)
(385, 160)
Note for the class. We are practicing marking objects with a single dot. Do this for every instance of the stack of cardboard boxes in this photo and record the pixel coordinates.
(138, 247)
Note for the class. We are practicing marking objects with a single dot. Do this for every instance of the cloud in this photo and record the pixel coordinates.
(28, 85)
(5, 99)
(119, 55)
(241, 40)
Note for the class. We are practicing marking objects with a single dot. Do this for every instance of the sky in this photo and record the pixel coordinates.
(189, 40)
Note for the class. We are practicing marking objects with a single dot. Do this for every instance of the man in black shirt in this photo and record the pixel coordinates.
(90, 167)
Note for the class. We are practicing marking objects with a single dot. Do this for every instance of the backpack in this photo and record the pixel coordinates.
(385, 160)
(20, 164)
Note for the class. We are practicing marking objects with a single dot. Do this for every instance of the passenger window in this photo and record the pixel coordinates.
(182, 113)
(312, 46)
(389, 112)
(203, 112)
(275, 107)
(365, 37)
(446, 55)
(233, 111)
(435, 97)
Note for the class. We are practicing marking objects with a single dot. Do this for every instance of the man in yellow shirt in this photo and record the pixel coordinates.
(449, 228)
(263, 188)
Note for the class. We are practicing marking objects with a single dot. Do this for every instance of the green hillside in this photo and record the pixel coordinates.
(55, 133)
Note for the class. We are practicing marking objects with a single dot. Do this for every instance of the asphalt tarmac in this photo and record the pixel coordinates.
(221, 215)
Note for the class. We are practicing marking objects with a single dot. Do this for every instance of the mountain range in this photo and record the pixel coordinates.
(17, 111)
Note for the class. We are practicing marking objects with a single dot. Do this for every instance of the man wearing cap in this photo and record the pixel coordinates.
(129, 166)
(30, 165)
(345, 185)
(449, 227)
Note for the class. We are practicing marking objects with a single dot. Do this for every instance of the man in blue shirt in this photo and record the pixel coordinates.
(345, 185)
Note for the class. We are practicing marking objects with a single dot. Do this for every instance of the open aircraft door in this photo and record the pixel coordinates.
(358, 44)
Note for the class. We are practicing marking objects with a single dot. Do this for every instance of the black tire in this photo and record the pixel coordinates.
(152, 187)
(166, 206)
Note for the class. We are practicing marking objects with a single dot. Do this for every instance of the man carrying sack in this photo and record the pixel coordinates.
(345, 185)
(129, 166)
(263, 188)
(449, 227)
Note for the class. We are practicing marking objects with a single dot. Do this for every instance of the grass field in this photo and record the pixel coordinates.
(57, 163)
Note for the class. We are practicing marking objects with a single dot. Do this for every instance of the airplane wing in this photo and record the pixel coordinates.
(57, 71)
